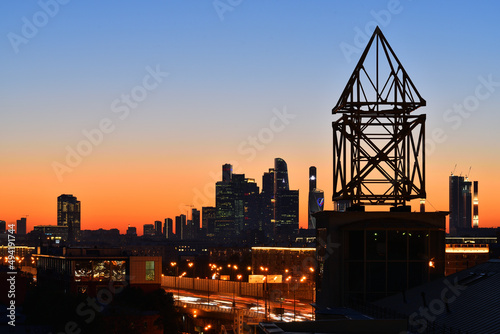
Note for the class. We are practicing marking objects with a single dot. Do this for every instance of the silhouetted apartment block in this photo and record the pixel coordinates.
(21, 226)
(131, 231)
(148, 229)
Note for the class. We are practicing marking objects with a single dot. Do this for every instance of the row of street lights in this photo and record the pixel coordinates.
(216, 270)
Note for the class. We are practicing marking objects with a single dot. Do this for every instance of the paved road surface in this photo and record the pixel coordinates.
(302, 310)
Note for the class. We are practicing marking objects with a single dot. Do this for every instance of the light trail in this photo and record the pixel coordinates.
(303, 311)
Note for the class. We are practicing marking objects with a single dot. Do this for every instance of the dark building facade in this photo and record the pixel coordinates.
(55, 233)
(195, 222)
(192, 229)
(316, 198)
(168, 231)
(158, 227)
(370, 255)
(237, 207)
(149, 230)
(180, 226)
(267, 203)
(131, 231)
(225, 227)
(88, 270)
(208, 220)
(475, 216)
(68, 214)
(21, 226)
(460, 204)
(286, 202)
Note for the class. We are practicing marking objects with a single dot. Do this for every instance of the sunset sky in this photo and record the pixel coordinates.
(169, 91)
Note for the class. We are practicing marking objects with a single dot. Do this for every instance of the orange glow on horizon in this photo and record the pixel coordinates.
(133, 192)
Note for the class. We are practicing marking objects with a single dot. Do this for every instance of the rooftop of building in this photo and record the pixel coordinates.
(277, 248)
(337, 326)
(465, 301)
(80, 252)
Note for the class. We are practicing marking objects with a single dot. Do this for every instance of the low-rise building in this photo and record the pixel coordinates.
(88, 270)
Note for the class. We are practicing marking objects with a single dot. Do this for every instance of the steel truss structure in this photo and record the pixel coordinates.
(378, 147)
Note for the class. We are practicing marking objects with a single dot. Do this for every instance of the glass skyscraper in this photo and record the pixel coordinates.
(460, 204)
(316, 198)
(286, 201)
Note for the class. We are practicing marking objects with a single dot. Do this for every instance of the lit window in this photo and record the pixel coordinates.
(150, 270)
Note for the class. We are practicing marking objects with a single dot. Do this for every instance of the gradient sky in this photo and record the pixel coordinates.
(232, 65)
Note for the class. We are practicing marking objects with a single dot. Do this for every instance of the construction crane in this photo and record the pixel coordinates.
(468, 173)
(453, 172)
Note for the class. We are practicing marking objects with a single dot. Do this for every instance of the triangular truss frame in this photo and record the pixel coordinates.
(395, 93)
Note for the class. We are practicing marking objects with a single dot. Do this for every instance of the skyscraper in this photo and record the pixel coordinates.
(251, 205)
(180, 226)
(224, 203)
(3, 225)
(227, 172)
(460, 204)
(193, 225)
(208, 220)
(267, 203)
(237, 205)
(131, 231)
(158, 227)
(286, 202)
(316, 198)
(68, 214)
(280, 175)
(21, 226)
(238, 183)
(475, 217)
(148, 229)
(168, 231)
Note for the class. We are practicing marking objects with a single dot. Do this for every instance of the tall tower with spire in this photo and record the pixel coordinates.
(316, 198)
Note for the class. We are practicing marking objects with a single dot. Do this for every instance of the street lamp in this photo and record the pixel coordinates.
(178, 287)
(265, 269)
(191, 265)
(302, 280)
(238, 277)
(263, 296)
(208, 283)
(174, 264)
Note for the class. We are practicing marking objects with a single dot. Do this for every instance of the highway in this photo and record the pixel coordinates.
(225, 301)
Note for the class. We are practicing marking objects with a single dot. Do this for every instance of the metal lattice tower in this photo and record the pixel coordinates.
(378, 147)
